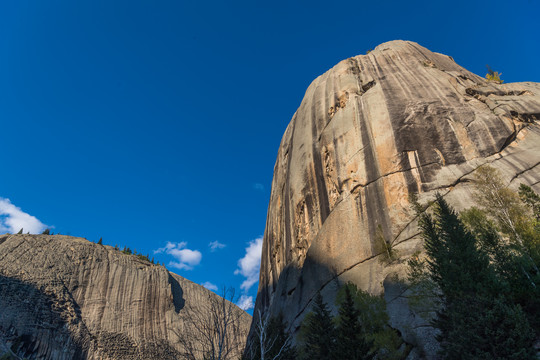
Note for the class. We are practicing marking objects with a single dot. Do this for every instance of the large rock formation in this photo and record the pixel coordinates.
(369, 132)
(66, 298)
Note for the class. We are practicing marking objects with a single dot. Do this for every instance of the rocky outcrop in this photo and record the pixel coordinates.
(368, 133)
(67, 298)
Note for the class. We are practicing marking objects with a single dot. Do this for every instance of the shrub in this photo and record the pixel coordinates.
(384, 247)
(494, 76)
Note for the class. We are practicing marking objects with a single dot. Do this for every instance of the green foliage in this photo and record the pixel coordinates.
(415, 205)
(486, 328)
(488, 239)
(20, 231)
(531, 199)
(453, 263)
(425, 297)
(385, 342)
(477, 319)
(384, 247)
(361, 328)
(498, 201)
(513, 216)
(494, 76)
(317, 333)
(531, 227)
(46, 232)
(351, 337)
(100, 242)
(516, 254)
(128, 251)
(144, 257)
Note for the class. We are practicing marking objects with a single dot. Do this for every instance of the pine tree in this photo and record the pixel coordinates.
(351, 342)
(100, 242)
(454, 262)
(476, 320)
(318, 333)
(512, 265)
(531, 199)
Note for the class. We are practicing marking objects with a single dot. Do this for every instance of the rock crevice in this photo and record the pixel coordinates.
(402, 120)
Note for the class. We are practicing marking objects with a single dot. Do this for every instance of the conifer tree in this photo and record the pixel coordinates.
(318, 333)
(531, 199)
(100, 242)
(351, 341)
(513, 264)
(476, 320)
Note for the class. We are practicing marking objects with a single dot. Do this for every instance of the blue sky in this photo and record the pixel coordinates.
(155, 124)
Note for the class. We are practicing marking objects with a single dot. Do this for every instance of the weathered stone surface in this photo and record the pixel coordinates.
(369, 132)
(66, 298)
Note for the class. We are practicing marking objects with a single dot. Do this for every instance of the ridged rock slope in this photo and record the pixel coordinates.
(368, 133)
(63, 297)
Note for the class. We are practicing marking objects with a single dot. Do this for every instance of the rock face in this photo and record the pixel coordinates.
(66, 298)
(369, 132)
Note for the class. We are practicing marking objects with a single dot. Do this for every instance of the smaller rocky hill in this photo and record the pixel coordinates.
(63, 297)
(369, 133)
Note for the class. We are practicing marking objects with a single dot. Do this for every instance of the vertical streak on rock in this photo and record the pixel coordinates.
(375, 202)
(368, 132)
(90, 302)
(320, 186)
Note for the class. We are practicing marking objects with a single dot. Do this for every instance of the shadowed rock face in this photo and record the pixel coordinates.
(368, 133)
(66, 298)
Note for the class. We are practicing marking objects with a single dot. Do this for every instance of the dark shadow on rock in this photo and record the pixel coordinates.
(177, 294)
(293, 294)
(413, 322)
(31, 324)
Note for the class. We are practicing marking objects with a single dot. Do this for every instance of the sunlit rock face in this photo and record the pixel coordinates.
(63, 297)
(368, 133)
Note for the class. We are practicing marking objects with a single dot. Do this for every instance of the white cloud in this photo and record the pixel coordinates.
(210, 286)
(216, 245)
(249, 265)
(13, 219)
(245, 302)
(186, 259)
(258, 186)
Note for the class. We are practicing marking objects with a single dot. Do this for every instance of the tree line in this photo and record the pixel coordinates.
(480, 271)
(478, 276)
